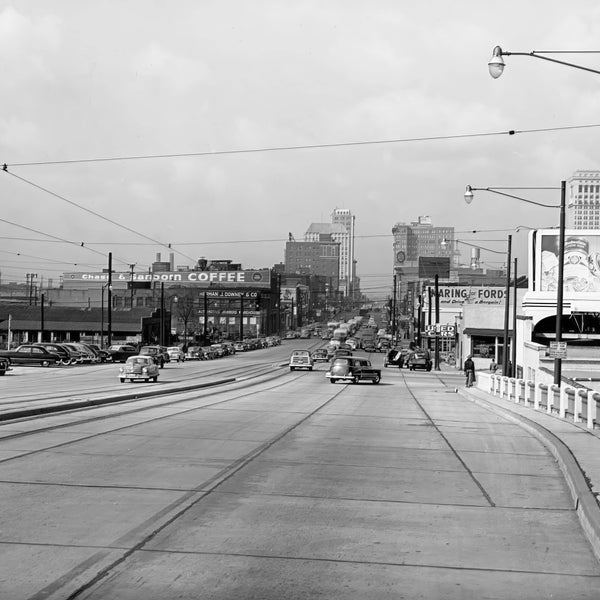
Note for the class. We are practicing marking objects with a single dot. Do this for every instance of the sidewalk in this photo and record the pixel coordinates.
(575, 448)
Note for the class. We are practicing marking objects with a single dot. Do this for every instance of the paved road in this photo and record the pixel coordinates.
(294, 488)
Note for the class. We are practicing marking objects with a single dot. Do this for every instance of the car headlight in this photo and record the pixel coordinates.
(144, 369)
(121, 369)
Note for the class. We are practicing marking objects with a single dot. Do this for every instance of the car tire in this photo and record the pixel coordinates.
(355, 379)
(310, 368)
(332, 380)
(376, 379)
(122, 379)
(155, 379)
(45, 363)
(292, 368)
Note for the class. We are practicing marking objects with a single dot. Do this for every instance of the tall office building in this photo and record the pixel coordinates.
(341, 230)
(583, 200)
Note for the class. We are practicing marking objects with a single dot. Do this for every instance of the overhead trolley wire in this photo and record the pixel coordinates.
(509, 132)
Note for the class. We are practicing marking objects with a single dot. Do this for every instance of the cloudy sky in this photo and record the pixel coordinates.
(219, 92)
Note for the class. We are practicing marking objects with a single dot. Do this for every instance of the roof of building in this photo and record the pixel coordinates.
(326, 228)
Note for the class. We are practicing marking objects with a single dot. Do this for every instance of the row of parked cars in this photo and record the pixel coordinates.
(50, 353)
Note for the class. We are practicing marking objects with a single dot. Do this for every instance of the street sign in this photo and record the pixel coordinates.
(439, 330)
(557, 350)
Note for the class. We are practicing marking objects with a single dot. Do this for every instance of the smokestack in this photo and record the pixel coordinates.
(158, 257)
(475, 255)
(172, 261)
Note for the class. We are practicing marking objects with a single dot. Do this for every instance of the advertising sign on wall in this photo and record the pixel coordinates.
(471, 294)
(254, 278)
(581, 273)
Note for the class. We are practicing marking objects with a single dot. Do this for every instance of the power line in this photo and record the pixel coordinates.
(120, 225)
(509, 132)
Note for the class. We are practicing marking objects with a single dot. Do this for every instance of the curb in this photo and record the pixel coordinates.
(584, 500)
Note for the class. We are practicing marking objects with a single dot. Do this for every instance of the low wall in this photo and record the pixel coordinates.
(578, 405)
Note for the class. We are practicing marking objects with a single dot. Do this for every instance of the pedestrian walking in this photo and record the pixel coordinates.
(469, 369)
(493, 366)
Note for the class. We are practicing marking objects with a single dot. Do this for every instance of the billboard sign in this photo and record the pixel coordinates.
(430, 266)
(581, 273)
(471, 294)
(253, 278)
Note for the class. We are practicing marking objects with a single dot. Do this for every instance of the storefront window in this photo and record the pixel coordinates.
(483, 346)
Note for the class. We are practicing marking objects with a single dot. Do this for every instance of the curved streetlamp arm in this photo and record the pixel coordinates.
(538, 54)
(497, 191)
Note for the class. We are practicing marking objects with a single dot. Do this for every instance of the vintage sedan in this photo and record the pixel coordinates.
(30, 354)
(176, 354)
(353, 370)
(301, 359)
(121, 352)
(139, 367)
(320, 355)
(157, 353)
(420, 358)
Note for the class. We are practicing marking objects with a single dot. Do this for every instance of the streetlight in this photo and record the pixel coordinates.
(496, 63)
(561, 251)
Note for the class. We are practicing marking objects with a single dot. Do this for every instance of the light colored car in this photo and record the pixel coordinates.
(176, 353)
(139, 367)
(194, 353)
(301, 359)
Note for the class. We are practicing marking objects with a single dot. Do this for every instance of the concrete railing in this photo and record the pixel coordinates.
(567, 402)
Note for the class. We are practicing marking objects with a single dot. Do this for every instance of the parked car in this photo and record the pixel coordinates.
(176, 353)
(89, 356)
(194, 353)
(121, 352)
(320, 355)
(103, 355)
(301, 359)
(353, 370)
(139, 367)
(67, 356)
(419, 359)
(369, 346)
(30, 354)
(156, 352)
(4, 365)
(209, 352)
(219, 350)
(240, 347)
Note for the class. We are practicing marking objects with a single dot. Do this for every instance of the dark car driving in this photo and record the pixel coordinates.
(353, 370)
(419, 358)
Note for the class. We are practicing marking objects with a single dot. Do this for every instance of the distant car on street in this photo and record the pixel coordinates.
(156, 352)
(419, 359)
(301, 359)
(320, 355)
(139, 367)
(121, 352)
(176, 353)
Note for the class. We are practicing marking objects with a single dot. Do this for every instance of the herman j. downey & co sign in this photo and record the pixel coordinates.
(253, 278)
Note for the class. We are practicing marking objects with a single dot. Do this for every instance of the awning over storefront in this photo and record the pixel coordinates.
(486, 332)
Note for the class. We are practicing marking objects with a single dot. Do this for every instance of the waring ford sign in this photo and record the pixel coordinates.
(468, 294)
(257, 278)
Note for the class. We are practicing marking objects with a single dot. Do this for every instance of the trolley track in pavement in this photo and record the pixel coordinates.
(146, 407)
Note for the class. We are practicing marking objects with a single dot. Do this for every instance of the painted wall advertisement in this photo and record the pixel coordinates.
(581, 273)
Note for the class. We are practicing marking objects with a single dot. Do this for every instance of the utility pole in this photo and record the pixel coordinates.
(109, 301)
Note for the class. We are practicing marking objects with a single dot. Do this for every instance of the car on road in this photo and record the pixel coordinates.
(219, 350)
(353, 369)
(395, 357)
(139, 367)
(419, 358)
(121, 352)
(340, 353)
(176, 354)
(301, 359)
(320, 355)
(156, 353)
